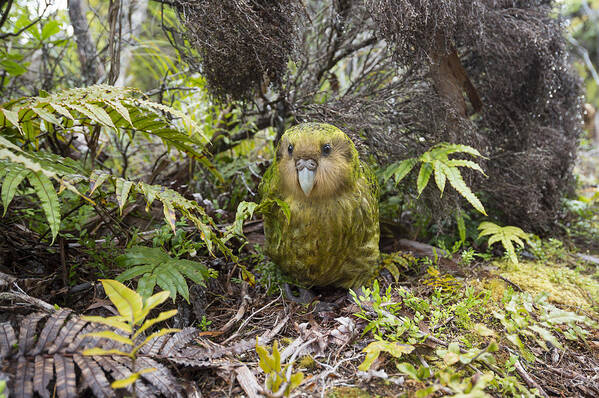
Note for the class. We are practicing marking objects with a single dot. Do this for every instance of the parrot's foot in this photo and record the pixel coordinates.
(305, 296)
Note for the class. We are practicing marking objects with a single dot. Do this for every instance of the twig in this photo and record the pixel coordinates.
(529, 381)
(245, 299)
(248, 319)
(28, 299)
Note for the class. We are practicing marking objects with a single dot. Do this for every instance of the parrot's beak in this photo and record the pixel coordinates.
(306, 171)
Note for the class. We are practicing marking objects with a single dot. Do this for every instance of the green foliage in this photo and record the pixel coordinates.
(25, 123)
(505, 235)
(436, 160)
(279, 380)
(537, 320)
(133, 310)
(107, 107)
(158, 268)
(246, 210)
(382, 312)
(374, 349)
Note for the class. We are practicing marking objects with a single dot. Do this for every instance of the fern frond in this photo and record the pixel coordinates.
(505, 235)
(436, 160)
(158, 268)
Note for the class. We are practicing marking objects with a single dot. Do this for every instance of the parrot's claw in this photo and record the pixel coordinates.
(305, 296)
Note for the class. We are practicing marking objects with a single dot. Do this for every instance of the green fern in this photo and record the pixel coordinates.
(23, 123)
(113, 108)
(505, 235)
(158, 268)
(436, 161)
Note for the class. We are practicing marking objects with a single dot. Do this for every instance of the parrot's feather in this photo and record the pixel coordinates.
(332, 237)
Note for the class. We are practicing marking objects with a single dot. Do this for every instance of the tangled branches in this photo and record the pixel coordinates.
(241, 44)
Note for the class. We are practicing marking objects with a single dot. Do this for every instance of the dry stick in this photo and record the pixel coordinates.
(245, 299)
(248, 382)
(248, 319)
(526, 377)
(28, 299)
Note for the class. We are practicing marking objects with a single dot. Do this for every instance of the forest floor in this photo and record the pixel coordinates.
(431, 326)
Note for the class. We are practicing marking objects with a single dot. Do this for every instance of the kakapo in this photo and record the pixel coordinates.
(332, 237)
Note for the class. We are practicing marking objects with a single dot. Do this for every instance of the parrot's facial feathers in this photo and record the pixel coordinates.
(316, 161)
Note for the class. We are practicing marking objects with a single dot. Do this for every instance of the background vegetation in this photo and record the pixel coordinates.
(133, 136)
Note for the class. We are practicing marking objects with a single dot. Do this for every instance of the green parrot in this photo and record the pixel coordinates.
(332, 237)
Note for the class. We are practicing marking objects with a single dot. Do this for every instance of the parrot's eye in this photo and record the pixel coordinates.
(290, 149)
(326, 149)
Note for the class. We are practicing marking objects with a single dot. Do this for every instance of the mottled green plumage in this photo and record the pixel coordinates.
(332, 237)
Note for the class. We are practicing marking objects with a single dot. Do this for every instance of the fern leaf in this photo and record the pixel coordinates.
(127, 301)
(67, 334)
(178, 340)
(169, 214)
(135, 272)
(123, 187)
(146, 284)
(10, 184)
(461, 225)
(62, 110)
(440, 176)
(191, 125)
(8, 339)
(423, 176)
(113, 321)
(509, 249)
(405, 166)
(155, 335)
(505, 235)
(96, 179)
(166, 283)
(108, 334)
(65, 376)
(121, 110)
(47, 116)
(22, 384)
(150, 322)
(498, 237)
(13, 118)
(93, 376)
(43, 373)
(161, 378)
(157, 267)
(455, 179)
(453, 148)
(100, 114)
(464, 163)
(175, 280)
(195, 271)
(28, 330)
(488, 228)
(138, 255)
(50, 331)
(44, 189)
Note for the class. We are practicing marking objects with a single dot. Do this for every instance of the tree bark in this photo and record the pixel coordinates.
(91, 69)
(132, 17)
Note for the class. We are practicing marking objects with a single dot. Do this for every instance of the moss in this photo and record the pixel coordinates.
(307, 362)
(564, 285)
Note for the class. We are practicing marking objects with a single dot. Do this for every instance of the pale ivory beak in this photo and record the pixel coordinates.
(306, 180)
(306, 171)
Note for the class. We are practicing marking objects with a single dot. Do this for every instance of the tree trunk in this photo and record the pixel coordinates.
(133, 15)
(91, 69)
